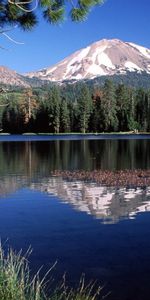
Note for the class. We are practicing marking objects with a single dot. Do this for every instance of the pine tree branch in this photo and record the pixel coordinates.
(19, 5)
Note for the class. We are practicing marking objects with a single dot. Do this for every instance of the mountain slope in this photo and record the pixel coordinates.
(105, 57)
(10, 77)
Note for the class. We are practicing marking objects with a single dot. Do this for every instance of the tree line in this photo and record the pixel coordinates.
(76, 108)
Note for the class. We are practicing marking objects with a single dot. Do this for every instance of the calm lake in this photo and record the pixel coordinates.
(86, 227)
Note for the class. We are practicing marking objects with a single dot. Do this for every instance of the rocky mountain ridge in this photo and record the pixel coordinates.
(10, 77)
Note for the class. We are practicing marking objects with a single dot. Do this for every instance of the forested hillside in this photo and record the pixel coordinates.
(131, 79)
(75, 108)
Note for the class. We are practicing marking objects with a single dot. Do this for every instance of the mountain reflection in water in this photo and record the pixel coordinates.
(110, 204)
(33, 210)
(31, 164)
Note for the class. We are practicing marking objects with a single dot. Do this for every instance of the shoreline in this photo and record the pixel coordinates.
(4, 137)
(77, 133)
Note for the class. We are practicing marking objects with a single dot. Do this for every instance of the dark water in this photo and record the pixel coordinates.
(102, 232)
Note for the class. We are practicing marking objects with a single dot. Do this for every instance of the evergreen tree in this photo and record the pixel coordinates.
(42, 110)
(24, 13)
(122, 102)
(141, 109)
(12, 117)
(3, 104)
(96, 122)
(148, 110)
(54, 109)
(109, 108)
(64, 116)
(131, 112)
(41, 123)
(84, 106)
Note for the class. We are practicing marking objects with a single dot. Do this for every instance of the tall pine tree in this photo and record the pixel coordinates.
(54, 100)
(84, 106)
(64, 116)
(109, 108)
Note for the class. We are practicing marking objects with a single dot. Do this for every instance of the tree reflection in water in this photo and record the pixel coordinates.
(111, 163)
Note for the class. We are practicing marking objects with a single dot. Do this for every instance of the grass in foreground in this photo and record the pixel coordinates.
(17, 284)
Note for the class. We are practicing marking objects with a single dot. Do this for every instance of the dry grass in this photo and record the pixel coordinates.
(16, 282)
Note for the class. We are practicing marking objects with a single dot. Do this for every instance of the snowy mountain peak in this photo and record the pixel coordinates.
(104, 57)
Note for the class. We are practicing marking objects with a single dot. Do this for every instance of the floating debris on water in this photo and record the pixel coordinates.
(120, 178)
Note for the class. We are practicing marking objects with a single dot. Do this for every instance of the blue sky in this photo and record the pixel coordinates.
(46, 45)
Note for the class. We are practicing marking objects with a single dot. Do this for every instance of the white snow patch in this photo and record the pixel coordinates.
(130, 195)
(122, 71)
(97, 52)
(143, 50)
(76, 59)
(70, 70)
(96, 70)
(83, 53)
(142, 208)
(78, 77)
(103, 202)
(103, 59)
(73, 69)
(79, 56)
(131, 66)
(96, 191)
(50, 70)
(138, 191)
